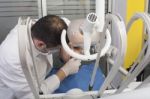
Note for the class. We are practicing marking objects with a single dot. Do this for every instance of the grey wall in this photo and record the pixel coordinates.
(10, 10)
(71, 9)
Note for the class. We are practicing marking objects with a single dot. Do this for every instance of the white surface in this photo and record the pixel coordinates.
(136, 94)
(7, 93)
(100, 12)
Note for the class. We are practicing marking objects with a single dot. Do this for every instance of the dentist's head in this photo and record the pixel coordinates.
(46, 33)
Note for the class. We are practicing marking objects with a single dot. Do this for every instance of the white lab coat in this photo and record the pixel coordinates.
(11, 73)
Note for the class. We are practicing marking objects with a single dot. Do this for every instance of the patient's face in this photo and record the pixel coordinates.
(75, 38)
(76, 43)
(65, 56)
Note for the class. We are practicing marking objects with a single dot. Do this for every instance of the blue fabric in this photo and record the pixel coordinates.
(81, 79)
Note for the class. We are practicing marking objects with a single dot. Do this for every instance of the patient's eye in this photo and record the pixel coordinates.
(77, 49)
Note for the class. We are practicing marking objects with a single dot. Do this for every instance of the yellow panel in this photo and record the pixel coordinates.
(135, 34)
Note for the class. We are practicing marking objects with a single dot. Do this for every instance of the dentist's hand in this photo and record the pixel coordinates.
(71, 67)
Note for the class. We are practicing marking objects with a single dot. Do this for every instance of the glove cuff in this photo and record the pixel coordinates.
(65, 71)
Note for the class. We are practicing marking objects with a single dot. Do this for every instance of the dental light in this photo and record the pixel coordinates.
(87, 29)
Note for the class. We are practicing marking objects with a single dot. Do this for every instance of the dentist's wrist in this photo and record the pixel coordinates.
(61, 75)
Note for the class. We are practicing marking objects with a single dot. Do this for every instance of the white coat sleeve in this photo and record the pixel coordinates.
(50, 84)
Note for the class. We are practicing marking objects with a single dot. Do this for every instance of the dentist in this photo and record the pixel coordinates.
(44, 40)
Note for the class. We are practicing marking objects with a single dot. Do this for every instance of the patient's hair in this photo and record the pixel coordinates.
(48, 29)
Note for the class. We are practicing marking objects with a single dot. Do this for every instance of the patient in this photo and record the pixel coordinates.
(82, 79)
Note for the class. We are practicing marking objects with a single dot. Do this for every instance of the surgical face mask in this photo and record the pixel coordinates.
(47, 51)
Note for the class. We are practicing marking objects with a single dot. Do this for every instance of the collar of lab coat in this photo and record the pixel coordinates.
(36, 52)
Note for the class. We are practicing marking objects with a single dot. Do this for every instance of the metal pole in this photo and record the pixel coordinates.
(40, 14)
(44, 7)
(100, 12)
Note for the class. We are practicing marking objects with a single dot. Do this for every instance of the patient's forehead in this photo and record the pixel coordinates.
(74, 32)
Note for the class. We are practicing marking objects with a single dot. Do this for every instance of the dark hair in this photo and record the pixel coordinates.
(48, 29)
